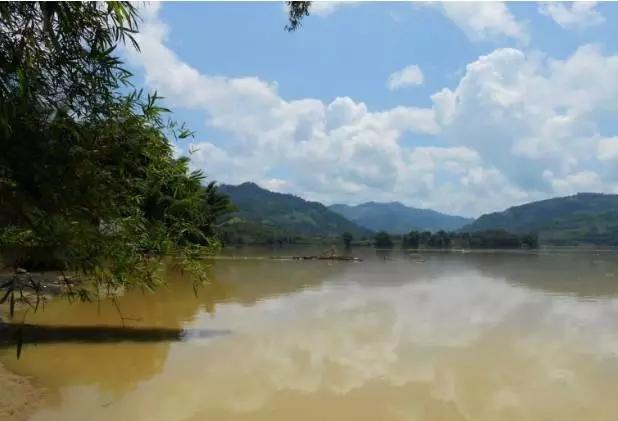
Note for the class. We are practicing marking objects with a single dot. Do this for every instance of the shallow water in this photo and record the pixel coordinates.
(429, 336)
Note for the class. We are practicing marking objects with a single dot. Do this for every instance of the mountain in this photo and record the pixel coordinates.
(584, 217)
(588, 228)
(261, 211)
(397, 218)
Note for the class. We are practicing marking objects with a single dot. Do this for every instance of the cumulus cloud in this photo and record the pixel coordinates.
(482, 21)
(535, 118)
(336, 150)
(608, 149)
(517, 127)
(580, 14)
(408, 76)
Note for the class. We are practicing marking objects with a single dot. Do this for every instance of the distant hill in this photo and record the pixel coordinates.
(581, 218)
(261, 212)
(397, 218)
(589, 228)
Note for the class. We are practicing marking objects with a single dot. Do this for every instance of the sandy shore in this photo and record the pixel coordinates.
(20, 397)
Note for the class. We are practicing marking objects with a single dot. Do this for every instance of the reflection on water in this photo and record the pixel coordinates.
(507, 336)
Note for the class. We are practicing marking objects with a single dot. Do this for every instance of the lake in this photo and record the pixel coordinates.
(398, 336)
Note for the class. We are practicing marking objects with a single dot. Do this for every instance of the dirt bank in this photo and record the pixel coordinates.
(20, 396)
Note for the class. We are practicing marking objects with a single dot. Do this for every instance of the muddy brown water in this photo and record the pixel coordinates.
(398, 336)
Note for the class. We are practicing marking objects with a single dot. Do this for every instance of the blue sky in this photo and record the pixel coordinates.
(464, 108)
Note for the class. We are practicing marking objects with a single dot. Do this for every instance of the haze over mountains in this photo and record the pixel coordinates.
(397, 218)
(584, 218)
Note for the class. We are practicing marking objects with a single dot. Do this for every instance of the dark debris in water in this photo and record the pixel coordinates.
(339, 258)
(14, 334)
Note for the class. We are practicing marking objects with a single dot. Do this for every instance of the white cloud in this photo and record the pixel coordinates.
(579, 14)
(608, 149)
(535, 119)
(408, 76)
(276, 184)
(517, 127)
(482, 21)
(582, 181)
(326, 8)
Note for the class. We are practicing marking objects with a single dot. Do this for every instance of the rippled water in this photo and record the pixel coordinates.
(440, 336)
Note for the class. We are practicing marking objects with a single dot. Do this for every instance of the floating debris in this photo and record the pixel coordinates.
(18, 333)
(340, 258)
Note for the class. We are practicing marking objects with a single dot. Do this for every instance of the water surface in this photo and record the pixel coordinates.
(429, 336)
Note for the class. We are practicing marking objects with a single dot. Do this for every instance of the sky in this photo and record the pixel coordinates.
(465, 108)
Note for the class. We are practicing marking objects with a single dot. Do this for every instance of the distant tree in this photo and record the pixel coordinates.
(383, 240)
(440, 239)
(495, 239)
(347, 239)
(411, 240)
(478, 239)
(425, 238)
(464, 239)
(530, 241)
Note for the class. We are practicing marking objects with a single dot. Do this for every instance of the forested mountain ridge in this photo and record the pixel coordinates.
(535, 215)
(263, 216)
(397, 218)
(261, 211)
(599, 228)
(581, 218)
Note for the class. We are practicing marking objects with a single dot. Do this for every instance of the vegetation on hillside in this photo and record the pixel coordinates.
(535, 216)
(272, 218)
(588, 228)
(584, 218)
(263, 216)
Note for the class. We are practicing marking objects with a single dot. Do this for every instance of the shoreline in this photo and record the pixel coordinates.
(21, 396)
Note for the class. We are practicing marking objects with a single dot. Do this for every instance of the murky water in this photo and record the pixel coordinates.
(478, 336)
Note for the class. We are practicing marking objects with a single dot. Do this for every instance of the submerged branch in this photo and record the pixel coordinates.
(17, 334)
